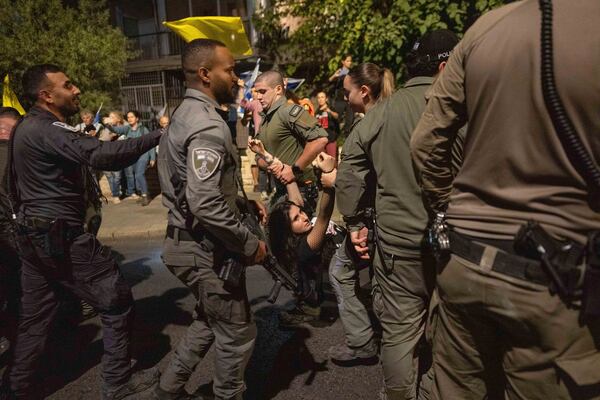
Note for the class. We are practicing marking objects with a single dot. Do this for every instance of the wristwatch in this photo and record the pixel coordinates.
(296, 170)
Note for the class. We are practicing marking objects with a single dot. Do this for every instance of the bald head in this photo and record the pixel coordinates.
(270, 78)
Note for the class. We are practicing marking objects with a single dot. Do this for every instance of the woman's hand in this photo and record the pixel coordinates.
(259, 148)
(328, 179)
(324, 162)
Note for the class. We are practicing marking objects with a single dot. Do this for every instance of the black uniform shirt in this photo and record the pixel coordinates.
(48, 156)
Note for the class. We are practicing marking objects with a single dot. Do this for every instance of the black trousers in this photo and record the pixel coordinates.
(90, 273)
(9, 283)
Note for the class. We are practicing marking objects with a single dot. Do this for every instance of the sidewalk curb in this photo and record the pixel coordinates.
(154, 233)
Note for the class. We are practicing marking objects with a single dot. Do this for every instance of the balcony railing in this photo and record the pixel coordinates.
(151, 46)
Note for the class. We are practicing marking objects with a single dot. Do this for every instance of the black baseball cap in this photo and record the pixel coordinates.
(435, 45)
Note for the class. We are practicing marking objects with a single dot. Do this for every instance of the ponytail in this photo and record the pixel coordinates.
(387, 84)
(379, 80)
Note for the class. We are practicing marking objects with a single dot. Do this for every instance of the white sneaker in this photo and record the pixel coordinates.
(133, 197)
(115, 200)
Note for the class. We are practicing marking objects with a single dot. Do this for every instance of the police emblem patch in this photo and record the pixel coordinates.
(294, 111)
(205, 161)
(65, 126)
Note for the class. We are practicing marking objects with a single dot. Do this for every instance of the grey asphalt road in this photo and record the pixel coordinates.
(286, 364)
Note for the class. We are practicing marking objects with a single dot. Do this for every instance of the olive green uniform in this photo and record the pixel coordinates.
(198, 151)
(499, 331)
(285, 129)
(379, 151)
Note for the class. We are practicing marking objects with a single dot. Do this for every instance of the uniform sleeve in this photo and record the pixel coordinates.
(304, 125)
(433, 138)
(105, 156)
(354, 179)
(205, 160)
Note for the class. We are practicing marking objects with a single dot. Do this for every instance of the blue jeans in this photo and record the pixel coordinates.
(136, 173)
(114, 181)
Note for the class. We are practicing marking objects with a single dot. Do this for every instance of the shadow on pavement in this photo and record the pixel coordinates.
(279, 356)
(153, 314)
(73, 350)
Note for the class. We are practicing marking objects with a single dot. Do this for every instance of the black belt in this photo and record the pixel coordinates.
(505, 263)
(183, 235)
(43, 225)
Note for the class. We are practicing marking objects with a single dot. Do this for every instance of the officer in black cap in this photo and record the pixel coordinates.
(47, 189)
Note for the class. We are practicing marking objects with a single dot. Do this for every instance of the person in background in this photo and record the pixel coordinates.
(328, 119)
(136, 174)
(163, 122)
(87, 120)
(9, 259)
(340, 105)
(114, 177)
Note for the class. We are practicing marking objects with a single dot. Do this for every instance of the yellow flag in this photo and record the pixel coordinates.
(9, 98)
(228, 30)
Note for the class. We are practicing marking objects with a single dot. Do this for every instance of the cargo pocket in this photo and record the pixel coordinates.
(582, 369)
(223, 305)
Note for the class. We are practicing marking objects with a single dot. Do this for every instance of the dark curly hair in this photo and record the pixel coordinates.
(284, 243)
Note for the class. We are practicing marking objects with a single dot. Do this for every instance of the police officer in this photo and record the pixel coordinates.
(380, 151)
(496, 311)
(49, 159)
(9, 259)
(198, 177)
(292, 135)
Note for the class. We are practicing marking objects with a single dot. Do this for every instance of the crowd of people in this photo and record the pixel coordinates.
(482, 240)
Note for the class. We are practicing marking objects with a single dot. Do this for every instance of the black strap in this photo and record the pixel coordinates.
(14, 200)
(569, 137)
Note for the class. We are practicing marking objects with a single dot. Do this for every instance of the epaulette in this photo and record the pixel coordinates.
(65, 126)
(296, 110)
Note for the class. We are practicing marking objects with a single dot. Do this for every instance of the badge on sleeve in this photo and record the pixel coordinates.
(206, 162)
(296, 110)
(65, 126)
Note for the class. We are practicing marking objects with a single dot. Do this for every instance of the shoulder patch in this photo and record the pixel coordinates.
(296, 110)
(206, 162)
(65, 126)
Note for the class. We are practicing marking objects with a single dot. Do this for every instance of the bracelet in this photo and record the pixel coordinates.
(328, 172)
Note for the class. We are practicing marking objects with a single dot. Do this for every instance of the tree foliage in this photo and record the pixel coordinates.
(379, 31)
(79, 39)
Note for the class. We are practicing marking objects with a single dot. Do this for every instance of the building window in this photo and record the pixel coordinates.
(177, 9)
(201, 8)
(234, 8)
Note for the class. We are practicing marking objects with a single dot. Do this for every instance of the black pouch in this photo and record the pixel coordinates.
(55, 240)
(231, 272)
(591, 280)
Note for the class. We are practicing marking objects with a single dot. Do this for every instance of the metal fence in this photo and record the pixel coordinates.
(150, 92)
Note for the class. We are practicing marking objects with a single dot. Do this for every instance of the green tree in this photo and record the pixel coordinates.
(379, 31)
(79, 39)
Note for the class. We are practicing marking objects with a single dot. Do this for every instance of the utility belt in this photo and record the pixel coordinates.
(53, 236)
(230, 269)
(568, 269)
(183, 235)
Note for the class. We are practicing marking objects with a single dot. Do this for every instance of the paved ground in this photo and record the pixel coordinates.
(286, 364)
